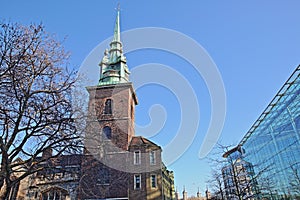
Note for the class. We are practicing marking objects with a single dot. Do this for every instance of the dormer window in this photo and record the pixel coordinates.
(108, 106)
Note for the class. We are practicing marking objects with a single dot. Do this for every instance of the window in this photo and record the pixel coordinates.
(152, 158)
(137, 157)
(104, 177)
(54, 194)
(108, 106)
(107, 132)
(153, 181)
(137, 181)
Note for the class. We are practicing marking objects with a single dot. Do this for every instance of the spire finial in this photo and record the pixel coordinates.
(117, 25)
(118, 8)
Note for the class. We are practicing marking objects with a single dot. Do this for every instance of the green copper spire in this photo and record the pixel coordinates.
(117, 27)
(113, 67)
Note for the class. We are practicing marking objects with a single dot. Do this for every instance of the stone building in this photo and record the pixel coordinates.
(197, 197)
(115, 163)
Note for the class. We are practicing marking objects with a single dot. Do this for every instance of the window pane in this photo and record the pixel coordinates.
(137, 181)
(104, 176)
(54, 194)
(137, 157)
(152, 158)
(153, 181)
(107, 132)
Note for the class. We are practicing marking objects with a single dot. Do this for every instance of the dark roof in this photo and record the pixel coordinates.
(63, 160)
(140, 141)
(61, 164)
(66, 160)
(237, 148)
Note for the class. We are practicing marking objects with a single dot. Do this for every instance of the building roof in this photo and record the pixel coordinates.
(230, 151)
(140, 141)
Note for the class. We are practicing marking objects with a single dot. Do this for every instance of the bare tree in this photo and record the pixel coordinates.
(233, 175)
(36, 111)
(295, 181)
(267, 188)
(217, 185)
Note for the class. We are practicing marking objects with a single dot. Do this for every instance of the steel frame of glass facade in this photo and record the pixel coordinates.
(272, 144)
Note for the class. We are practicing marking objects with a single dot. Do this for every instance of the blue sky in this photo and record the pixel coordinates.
(254, 44)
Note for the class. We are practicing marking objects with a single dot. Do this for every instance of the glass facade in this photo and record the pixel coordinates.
(238, 176)
(272, 144)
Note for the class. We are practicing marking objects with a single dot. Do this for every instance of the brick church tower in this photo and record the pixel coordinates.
(110, 126)
(112, 102)
(117, 164)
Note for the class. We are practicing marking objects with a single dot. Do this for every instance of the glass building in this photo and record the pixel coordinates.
(238, 176)
(272, 144)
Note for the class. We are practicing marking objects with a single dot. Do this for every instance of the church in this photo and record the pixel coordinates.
(115, 164)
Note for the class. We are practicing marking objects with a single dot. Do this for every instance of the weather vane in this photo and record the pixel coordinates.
(118, 8)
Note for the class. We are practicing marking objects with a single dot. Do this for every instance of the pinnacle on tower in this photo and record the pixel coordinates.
(113, 67)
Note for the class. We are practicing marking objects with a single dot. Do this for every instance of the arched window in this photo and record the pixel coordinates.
(54, 194)
(108, 106)
(107, 132)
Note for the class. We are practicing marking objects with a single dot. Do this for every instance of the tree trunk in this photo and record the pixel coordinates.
(4, 190)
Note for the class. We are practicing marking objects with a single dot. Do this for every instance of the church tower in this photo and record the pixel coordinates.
(176, 195)
(112, 102)
(184, 194)
(198, 194)
(117, 164)
(208, 194)
(110, 127)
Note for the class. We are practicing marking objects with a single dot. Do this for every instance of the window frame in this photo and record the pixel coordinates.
(52, 193)
(137, 159)
(153, 186)
(152, 158)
